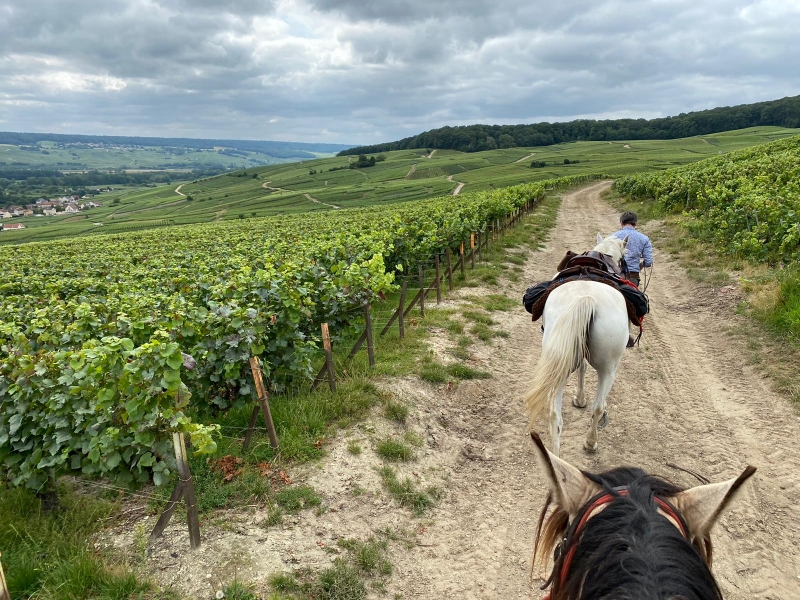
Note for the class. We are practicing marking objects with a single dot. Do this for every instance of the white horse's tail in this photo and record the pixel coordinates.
(562, 353)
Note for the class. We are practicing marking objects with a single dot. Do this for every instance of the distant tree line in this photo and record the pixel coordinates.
(277, 149)
(476, 138)
(21, 186)
(363, 162)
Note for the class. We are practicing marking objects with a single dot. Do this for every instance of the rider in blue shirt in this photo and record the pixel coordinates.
(639, 251)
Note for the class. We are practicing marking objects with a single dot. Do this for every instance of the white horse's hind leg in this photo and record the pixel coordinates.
(556, 421)
(580, 400)
(605, 379)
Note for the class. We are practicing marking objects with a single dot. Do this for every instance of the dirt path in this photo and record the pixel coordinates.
(411, 171)
(431, 154)
(310, 197)
(266, 186)
(686, 396)
(459, 187)
(524, 158)
(178, 190)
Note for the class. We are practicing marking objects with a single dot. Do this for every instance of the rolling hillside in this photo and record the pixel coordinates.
(328, 184)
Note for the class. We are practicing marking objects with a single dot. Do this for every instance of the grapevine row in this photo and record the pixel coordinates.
(93, 330)
(747, 202)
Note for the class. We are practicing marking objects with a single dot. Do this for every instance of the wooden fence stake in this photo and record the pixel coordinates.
(400, 312)
(449, 271)
(472, 248)
(263, 404)
(370, 345)
(4, 595)
(326, 342)
(251, 426)
(463, 258)
(185, 489)
(438, 282)
(421, 291)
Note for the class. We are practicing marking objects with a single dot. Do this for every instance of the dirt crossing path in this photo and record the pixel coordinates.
(178, 190)
(524, 158)
(686, 396)
(310, 197)
(458, 188)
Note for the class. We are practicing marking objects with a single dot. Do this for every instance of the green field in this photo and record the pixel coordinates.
(50, 155)
(405, 175)
(66, 159)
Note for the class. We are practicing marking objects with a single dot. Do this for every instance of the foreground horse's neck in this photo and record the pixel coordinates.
(627, 548)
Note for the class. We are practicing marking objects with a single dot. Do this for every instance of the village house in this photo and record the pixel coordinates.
(13, 226)
(49, 212)
(71, 208)
(27, 213)
(6, 215)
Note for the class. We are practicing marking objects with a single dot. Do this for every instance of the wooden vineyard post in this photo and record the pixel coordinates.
(463, 259)
(367, 335)
(421, 291)
(368, 325)
(488, 237)
(263, 404)
(4, 595)
(326, 342)
(472, 249)
(449, 271)
(402, 309)
(184, 489)
(438, 282)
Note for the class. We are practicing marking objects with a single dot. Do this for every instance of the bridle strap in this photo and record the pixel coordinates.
(602, 500)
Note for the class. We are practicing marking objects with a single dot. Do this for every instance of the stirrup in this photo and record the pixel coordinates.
(631, 342)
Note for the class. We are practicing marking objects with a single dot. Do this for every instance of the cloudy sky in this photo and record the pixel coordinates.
(362, 71)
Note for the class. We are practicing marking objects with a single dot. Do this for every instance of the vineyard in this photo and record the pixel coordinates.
(405, 175)
(747, 202)
(95, 336)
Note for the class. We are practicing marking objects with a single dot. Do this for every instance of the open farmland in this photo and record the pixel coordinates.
(405, 175)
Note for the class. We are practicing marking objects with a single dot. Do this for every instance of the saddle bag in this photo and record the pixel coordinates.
(636, 301)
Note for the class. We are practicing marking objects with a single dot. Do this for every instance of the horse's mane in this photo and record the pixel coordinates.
(628, 550)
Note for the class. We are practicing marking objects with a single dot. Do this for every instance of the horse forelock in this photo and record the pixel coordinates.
(628, 549)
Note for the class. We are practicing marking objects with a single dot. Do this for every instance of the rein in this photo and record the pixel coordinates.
(570, 538)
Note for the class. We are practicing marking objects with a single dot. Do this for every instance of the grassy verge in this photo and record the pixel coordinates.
(771, 334)
(361, 567)
(46, 555)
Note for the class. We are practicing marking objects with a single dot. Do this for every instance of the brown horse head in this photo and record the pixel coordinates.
(627, 534)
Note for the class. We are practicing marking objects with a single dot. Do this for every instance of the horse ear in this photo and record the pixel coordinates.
(701, 506)
(571, 489)
(599, 238)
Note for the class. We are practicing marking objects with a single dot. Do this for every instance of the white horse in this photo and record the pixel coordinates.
(583, 321)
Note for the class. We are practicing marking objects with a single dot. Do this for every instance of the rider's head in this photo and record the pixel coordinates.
(628, 218)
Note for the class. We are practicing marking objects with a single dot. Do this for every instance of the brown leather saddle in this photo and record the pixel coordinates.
(592, 266)
(592, 259)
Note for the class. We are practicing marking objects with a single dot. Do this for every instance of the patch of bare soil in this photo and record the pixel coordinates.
(685, 396)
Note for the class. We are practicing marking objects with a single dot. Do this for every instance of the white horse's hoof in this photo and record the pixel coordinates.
(576, 404)
(601, 424)
(588, 448)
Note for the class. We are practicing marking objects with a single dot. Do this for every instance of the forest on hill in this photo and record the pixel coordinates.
(476, 138)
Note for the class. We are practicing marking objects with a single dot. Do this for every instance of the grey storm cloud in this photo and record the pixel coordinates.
(363, 72)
